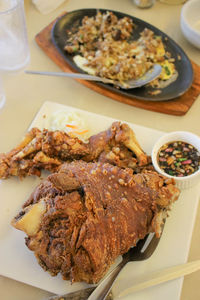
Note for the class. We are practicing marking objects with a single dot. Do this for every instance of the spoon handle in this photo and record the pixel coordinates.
(71, 75)
(150, 75)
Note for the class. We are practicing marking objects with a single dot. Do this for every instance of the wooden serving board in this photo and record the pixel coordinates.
(178, 106)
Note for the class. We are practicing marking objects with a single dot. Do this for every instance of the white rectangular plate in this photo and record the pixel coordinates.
(19, 263)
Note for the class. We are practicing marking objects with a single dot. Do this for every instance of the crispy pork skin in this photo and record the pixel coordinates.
(86, 215)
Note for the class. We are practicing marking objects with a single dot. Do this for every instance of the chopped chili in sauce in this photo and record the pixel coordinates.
(179, 159)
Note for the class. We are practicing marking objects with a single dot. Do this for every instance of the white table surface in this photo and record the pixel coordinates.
(25, 95)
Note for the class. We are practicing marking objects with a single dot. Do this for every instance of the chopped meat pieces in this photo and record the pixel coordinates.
(111, 48)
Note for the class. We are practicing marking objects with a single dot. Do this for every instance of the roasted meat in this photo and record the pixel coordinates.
(80, 219)
(49, 149)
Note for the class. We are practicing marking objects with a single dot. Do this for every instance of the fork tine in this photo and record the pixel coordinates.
(151, 246)
(148, 251)
(146, 247)
(135, 253)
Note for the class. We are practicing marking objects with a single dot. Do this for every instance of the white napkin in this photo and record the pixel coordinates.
(46, 6)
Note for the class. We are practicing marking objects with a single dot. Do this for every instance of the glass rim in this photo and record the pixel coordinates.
(9, 10)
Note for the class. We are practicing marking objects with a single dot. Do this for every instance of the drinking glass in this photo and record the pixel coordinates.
(14, 49)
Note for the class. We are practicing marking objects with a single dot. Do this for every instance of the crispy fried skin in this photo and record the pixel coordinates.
(49, 149)
(93, 213)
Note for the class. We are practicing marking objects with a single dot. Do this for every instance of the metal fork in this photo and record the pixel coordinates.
(143, 250)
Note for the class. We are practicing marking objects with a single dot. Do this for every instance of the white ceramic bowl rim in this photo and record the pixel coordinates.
(167, 138)
(183, 13)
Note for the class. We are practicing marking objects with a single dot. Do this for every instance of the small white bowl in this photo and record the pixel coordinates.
(188, 137)
(190, 22)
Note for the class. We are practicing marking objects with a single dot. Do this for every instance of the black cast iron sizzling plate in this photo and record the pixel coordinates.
(175, 89)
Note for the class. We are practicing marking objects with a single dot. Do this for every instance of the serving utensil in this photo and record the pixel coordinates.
(143, 250)
(141, 283)
(150, 75)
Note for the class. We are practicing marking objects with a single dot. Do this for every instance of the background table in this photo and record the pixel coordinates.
(25, 94)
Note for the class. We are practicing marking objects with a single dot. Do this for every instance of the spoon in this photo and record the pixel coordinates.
(150, 75)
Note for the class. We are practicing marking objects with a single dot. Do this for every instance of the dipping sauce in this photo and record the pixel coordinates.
(178, 159)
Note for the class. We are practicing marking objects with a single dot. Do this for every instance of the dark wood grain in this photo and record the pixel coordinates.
(178, 106)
